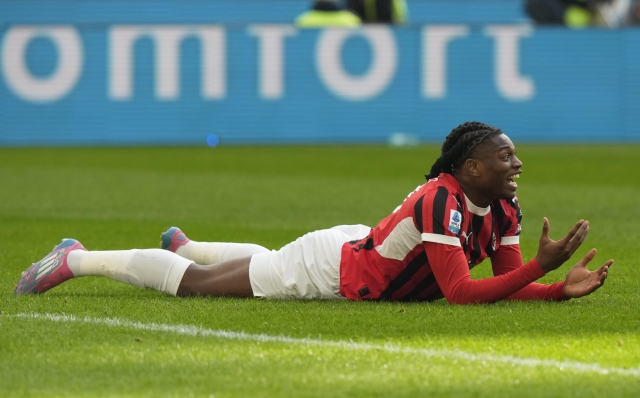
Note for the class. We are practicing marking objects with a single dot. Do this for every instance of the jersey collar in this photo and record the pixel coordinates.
(480, 211)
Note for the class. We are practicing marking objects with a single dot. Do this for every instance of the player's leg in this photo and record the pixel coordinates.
(206, 253)
(306, 268)
(149, 268)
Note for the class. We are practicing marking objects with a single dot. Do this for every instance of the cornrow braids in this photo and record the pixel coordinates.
(459, 146)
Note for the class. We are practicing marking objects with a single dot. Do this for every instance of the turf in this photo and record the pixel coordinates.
(119, 198)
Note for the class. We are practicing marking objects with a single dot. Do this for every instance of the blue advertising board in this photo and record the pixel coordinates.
(166, 82)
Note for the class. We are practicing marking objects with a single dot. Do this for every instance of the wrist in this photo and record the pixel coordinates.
(537, 263)
(564, 293)
(534, 267)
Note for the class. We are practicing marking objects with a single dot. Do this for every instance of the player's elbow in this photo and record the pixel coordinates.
(458, 293)
(456, 296)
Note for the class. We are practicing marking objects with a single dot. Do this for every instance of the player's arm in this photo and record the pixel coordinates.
(451, 271)
(578, 282)
(508, 256)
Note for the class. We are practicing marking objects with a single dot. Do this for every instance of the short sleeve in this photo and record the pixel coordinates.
(509, 219)
(441, 215)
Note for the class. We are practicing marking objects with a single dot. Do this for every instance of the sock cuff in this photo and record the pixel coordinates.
(175, 274)
(159, 269)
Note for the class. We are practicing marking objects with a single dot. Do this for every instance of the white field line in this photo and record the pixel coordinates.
(191, 330)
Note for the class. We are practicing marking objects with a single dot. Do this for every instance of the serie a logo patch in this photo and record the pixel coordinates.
(455, 218)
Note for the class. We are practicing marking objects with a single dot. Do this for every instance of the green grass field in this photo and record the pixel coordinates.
(109, 339)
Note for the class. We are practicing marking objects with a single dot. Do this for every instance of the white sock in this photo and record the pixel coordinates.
(150, 268)
(206, 253)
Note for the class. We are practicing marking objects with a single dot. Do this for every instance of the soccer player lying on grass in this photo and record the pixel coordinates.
(467, 211)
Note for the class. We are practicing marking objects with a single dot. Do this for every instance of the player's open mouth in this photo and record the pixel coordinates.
(511, 182)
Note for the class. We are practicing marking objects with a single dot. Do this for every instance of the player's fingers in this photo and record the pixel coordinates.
(579, 237)
(601, 278)
(588, 257)
(578, 229)
(583, 231)
(545, 228)
(573, 245)
(605, 268)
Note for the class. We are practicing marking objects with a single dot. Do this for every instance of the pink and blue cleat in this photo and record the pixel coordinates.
(172, 239)
(49, 272)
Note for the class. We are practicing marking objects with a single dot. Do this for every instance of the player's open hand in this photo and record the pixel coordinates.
(580, 281)
(551, 253)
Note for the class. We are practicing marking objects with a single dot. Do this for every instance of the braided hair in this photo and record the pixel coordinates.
(460, 145)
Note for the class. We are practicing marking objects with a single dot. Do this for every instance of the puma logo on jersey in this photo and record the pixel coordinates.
(464, 237)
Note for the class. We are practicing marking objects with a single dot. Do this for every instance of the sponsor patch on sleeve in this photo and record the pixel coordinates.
(455, 218)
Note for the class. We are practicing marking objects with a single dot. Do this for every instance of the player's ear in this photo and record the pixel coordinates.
(473, 167)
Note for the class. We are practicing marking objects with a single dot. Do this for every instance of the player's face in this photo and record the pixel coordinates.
(500, 168)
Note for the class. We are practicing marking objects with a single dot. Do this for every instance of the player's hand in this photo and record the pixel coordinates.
(551, 253)
(580, 281)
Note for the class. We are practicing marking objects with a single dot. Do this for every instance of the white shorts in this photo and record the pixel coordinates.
(308, 268)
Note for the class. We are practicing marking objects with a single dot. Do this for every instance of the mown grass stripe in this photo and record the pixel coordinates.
(192, 330)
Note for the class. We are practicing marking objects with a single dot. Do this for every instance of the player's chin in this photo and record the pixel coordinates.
(509, 193)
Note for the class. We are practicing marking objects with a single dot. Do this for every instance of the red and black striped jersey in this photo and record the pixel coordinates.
(391, 263)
